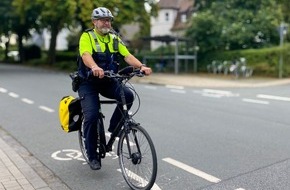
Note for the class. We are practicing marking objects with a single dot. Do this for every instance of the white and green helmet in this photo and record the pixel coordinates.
(102, 12)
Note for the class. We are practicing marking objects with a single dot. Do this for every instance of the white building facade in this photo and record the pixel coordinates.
(172, 19)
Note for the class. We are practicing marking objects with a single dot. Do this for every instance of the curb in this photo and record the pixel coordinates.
(213, 81)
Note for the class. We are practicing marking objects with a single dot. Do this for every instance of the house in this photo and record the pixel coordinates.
(172, 20)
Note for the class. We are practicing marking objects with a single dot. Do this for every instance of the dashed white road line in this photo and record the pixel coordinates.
(211, 95)
(46, 109)
(273, 97)
(179, 91)
(139, 179)
(220, 92)
(3, 90)
(25, 100)
(192, 170)
(13, 95)
(151, 87)
(174, 87)
(226, 93)
(255, 101)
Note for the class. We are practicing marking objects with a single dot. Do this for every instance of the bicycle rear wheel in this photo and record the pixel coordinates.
(101, 141)
(82, 143)
(137, 158)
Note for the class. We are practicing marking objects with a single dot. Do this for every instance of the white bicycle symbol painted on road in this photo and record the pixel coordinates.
(67, 155)
(71, 154)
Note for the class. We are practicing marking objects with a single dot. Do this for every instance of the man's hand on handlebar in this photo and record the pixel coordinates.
(146, 70)
(98, 72)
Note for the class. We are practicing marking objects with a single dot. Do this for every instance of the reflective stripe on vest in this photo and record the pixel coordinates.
(98, 47)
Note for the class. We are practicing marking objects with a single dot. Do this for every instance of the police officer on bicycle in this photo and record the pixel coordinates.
(99, 50)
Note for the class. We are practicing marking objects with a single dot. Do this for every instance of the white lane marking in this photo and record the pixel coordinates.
(174, 87)
(215, 93)
(13, 95)
(240, 189)
(178, 91)
(192, 170)
(273, 97)
(255, 101)
(25, 100)
(3, 90)
(151, 87)
(212, 95)
(46, 109)
(140, 179)
(219, 92)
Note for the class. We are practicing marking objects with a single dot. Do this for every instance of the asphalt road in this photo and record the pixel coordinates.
(233, 139)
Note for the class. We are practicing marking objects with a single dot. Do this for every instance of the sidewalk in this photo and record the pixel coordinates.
(19, 170)
(206, 81)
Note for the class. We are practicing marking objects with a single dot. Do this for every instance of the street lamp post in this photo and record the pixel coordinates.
(282, 32)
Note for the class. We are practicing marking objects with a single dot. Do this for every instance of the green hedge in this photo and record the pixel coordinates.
(264, 61)
(66, 60)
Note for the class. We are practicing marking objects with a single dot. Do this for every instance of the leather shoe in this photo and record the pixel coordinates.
(95, 164)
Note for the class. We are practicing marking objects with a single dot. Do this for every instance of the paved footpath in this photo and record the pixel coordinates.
(19, 170)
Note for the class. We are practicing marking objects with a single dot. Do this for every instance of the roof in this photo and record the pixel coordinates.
(173, 4)
(168, 4)
(165, 38)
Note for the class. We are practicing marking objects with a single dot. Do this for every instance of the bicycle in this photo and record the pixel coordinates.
(135, 150)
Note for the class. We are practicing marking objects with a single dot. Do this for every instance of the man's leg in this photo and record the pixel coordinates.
(89, 102)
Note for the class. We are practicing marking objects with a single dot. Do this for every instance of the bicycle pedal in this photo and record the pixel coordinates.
(103, 155)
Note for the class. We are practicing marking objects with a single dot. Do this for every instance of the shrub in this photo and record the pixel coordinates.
(32, 52)
(264, 61)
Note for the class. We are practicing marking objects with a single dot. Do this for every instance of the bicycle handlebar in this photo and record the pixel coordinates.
(125, 73)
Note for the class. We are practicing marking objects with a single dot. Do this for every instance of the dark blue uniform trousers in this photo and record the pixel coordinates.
(89, 93)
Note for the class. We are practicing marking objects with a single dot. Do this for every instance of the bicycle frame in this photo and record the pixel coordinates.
(126, 116)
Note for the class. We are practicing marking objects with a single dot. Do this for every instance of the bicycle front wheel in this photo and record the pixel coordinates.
(137, 158)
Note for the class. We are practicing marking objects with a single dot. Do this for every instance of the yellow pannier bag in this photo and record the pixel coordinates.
(70, 114)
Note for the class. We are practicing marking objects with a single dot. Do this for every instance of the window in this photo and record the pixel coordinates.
(183, 18)
(166, 16)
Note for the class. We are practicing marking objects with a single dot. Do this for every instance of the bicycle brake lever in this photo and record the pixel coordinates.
(140, 73)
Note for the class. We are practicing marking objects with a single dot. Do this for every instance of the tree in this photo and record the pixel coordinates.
(19, 16)
(55, 15)
(285, 7)
(235, 24)
(125, 12)
(25, 14)
(6, 23)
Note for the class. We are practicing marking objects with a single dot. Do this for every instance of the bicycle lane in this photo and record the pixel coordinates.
(60, 155)
(72, 154)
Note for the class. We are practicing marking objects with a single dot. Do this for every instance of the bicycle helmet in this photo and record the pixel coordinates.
(102, 12)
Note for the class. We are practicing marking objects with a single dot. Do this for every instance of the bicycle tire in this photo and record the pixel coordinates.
(82, 143)
(138, 170)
